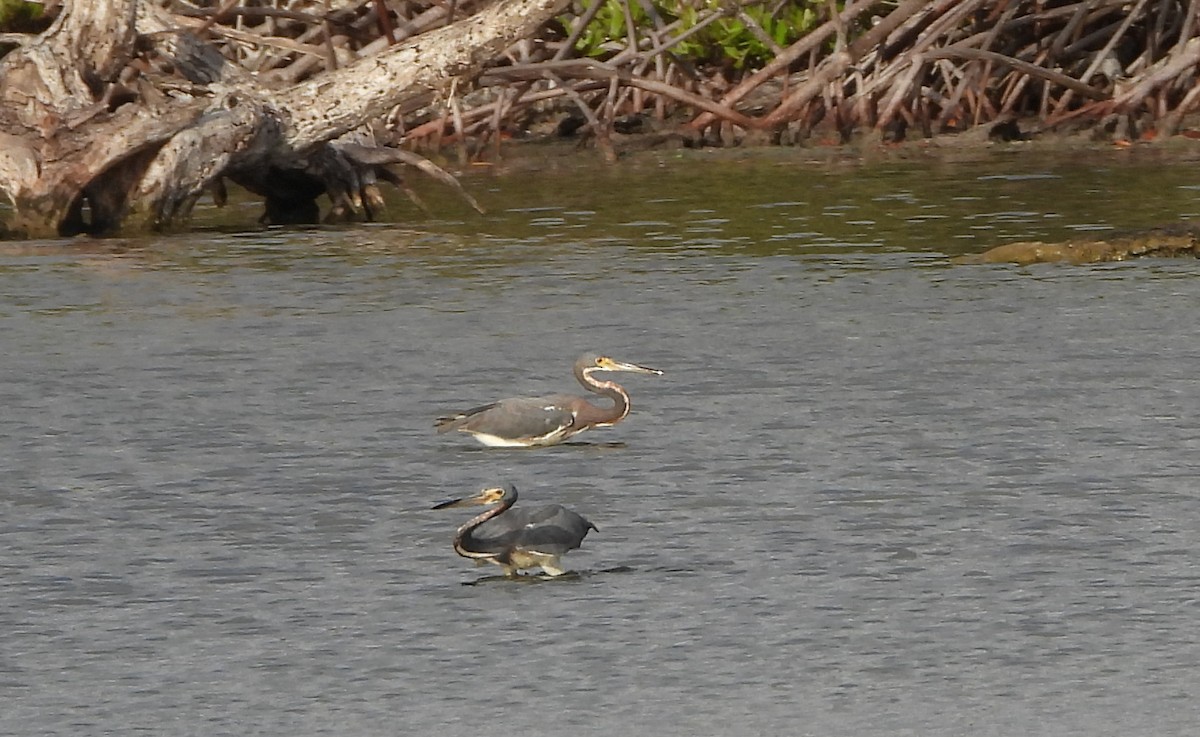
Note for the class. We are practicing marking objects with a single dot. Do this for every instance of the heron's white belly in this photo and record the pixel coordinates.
(533, 559)
(495, 441)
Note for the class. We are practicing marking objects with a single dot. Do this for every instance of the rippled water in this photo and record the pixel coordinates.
(873, 494)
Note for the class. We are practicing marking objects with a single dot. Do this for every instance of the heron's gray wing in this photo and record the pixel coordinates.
(499, 534)
(525, 417)
(552, 529)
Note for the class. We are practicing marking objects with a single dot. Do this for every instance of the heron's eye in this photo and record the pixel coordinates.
(601, 360)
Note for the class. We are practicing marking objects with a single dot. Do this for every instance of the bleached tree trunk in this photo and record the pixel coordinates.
(89, 133)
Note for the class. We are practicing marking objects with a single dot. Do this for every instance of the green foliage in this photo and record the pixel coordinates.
(727, 41)
(18, 16)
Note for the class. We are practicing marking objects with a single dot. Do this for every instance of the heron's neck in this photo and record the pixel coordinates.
(595, 415)
(463, 535)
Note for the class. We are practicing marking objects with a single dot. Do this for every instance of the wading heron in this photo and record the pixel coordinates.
(517, 538)
(536, 421)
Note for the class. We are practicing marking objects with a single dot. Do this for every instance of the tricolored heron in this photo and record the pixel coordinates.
(537, 421)
(517, 538)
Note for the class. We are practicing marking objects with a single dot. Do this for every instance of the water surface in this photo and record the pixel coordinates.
(873, 494)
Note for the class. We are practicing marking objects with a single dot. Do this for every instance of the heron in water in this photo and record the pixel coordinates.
(527, 422)
(517, 538)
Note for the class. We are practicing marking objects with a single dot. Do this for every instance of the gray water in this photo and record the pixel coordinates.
(873, 493)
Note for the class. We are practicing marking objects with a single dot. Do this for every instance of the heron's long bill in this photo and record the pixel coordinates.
(487, 496)
(611, 365)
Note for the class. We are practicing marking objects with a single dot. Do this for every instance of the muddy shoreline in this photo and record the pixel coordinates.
(547, 151)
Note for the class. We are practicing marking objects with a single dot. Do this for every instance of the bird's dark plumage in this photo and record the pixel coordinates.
(518, 538)
(539, 421)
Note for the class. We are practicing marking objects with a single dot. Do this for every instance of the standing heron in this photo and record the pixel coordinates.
(517, 538)
(527, 422)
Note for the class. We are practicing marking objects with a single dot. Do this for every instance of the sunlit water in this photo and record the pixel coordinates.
(873, 493)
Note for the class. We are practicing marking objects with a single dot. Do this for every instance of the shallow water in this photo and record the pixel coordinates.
(872, 494)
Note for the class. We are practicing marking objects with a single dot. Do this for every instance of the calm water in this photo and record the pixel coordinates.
(874, 494)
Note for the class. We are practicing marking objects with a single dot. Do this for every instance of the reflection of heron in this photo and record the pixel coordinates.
(535, 421)
(517, 538)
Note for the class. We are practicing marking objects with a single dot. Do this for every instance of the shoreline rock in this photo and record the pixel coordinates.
(1166, 242)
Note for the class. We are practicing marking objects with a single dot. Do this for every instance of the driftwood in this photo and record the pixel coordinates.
(1160, 242)
(123, 107)
(1127, 69)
